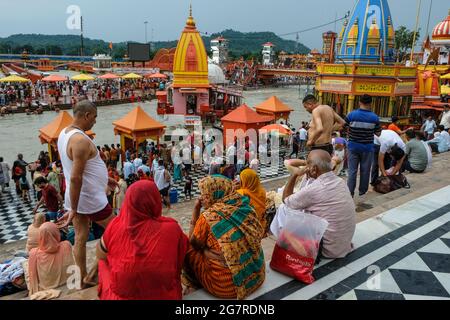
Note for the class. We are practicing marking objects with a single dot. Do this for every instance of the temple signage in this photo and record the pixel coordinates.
(378, 71)
(336, 85)
(373, 88)
(405, 88)
(192, 120)
(335, 69)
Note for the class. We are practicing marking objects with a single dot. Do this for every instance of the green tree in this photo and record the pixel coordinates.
(54, 50)
(404, 39)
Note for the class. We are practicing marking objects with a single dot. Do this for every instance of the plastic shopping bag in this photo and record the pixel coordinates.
(297, 246)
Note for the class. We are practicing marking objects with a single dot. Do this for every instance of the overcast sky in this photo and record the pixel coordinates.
(122, 20)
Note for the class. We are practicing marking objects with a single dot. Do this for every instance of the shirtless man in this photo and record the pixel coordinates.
(86, 180)
(324, 122)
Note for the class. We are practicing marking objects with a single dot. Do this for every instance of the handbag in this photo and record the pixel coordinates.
(388, 184)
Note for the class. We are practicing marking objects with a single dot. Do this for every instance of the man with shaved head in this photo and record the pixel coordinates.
(327, 197)
(86, 180)
(324, 122)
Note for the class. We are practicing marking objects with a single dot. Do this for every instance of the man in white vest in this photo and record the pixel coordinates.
(86, 181)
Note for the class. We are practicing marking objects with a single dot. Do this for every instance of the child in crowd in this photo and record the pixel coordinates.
(25, 187)
(339, 145)
(188, 186)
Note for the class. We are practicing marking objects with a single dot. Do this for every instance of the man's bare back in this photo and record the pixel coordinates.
(324, 122)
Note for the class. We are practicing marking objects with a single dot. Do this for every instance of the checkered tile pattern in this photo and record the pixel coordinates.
(423, 275)
(266, 172)
(15, 215)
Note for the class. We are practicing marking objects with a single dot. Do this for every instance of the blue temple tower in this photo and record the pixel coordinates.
(368, 37)
(365, 64)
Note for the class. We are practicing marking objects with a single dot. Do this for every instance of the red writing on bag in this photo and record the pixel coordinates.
(293, 265)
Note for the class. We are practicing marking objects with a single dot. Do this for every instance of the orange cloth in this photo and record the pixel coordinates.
(49, 262)
(252, 188)
(394, 127)
(33, 231)
(214, 277)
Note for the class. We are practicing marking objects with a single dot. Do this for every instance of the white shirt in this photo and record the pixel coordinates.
(231, 152)
(137, 163)
(160, 179)
(446, 136)
(445, 121)
(303, 134)
(186, 155)
(197, 153)
(430, 126)
(95, 178)
(388, 139)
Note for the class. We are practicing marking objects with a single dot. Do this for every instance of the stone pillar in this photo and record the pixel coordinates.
(391, 106)
(351, 103)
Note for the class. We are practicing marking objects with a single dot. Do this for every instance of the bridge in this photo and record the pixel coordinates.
(265, 72)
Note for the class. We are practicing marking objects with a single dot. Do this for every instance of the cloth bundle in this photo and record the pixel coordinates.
(11, 270)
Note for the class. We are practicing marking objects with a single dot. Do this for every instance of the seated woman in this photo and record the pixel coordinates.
(33, 231)
(251, 187)
(47, 264)
(141, 254)
(225, 256)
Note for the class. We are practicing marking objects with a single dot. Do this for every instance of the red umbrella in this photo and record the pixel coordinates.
(109, 76)
(156, 76)
(54, 78)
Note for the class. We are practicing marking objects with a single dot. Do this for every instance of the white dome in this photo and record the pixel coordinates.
(215, 74)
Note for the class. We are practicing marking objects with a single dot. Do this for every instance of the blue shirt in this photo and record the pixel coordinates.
(362, 126)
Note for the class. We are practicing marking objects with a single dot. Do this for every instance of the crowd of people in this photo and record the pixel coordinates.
(143, 255)
(31, 96)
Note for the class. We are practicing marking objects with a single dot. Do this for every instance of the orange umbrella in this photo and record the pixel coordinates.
(109, 76)
(156, 76)
(277, 128)
(54, 78)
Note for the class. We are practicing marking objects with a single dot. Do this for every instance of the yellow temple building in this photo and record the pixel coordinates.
(432, 91)
(190, 89)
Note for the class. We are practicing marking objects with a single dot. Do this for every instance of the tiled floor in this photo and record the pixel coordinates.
(403, 254)
(16, 215)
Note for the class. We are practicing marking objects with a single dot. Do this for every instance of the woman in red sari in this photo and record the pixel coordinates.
(141, 253)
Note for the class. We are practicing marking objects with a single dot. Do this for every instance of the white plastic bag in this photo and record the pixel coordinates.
(298, 245)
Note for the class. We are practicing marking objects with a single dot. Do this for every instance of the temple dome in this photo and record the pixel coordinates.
(368, 36)
(441, 33)
(190, 67)
(215, 73)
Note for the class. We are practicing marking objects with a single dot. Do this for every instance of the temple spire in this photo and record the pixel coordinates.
(190, 23)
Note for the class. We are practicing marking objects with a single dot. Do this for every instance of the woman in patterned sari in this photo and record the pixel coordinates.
(225, 255)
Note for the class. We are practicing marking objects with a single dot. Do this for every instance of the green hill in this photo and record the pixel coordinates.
(240, 44)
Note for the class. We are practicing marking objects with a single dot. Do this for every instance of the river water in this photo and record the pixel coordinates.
(19, 132)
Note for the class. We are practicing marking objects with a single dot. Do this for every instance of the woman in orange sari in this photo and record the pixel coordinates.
(225, 256)
(251, 187)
